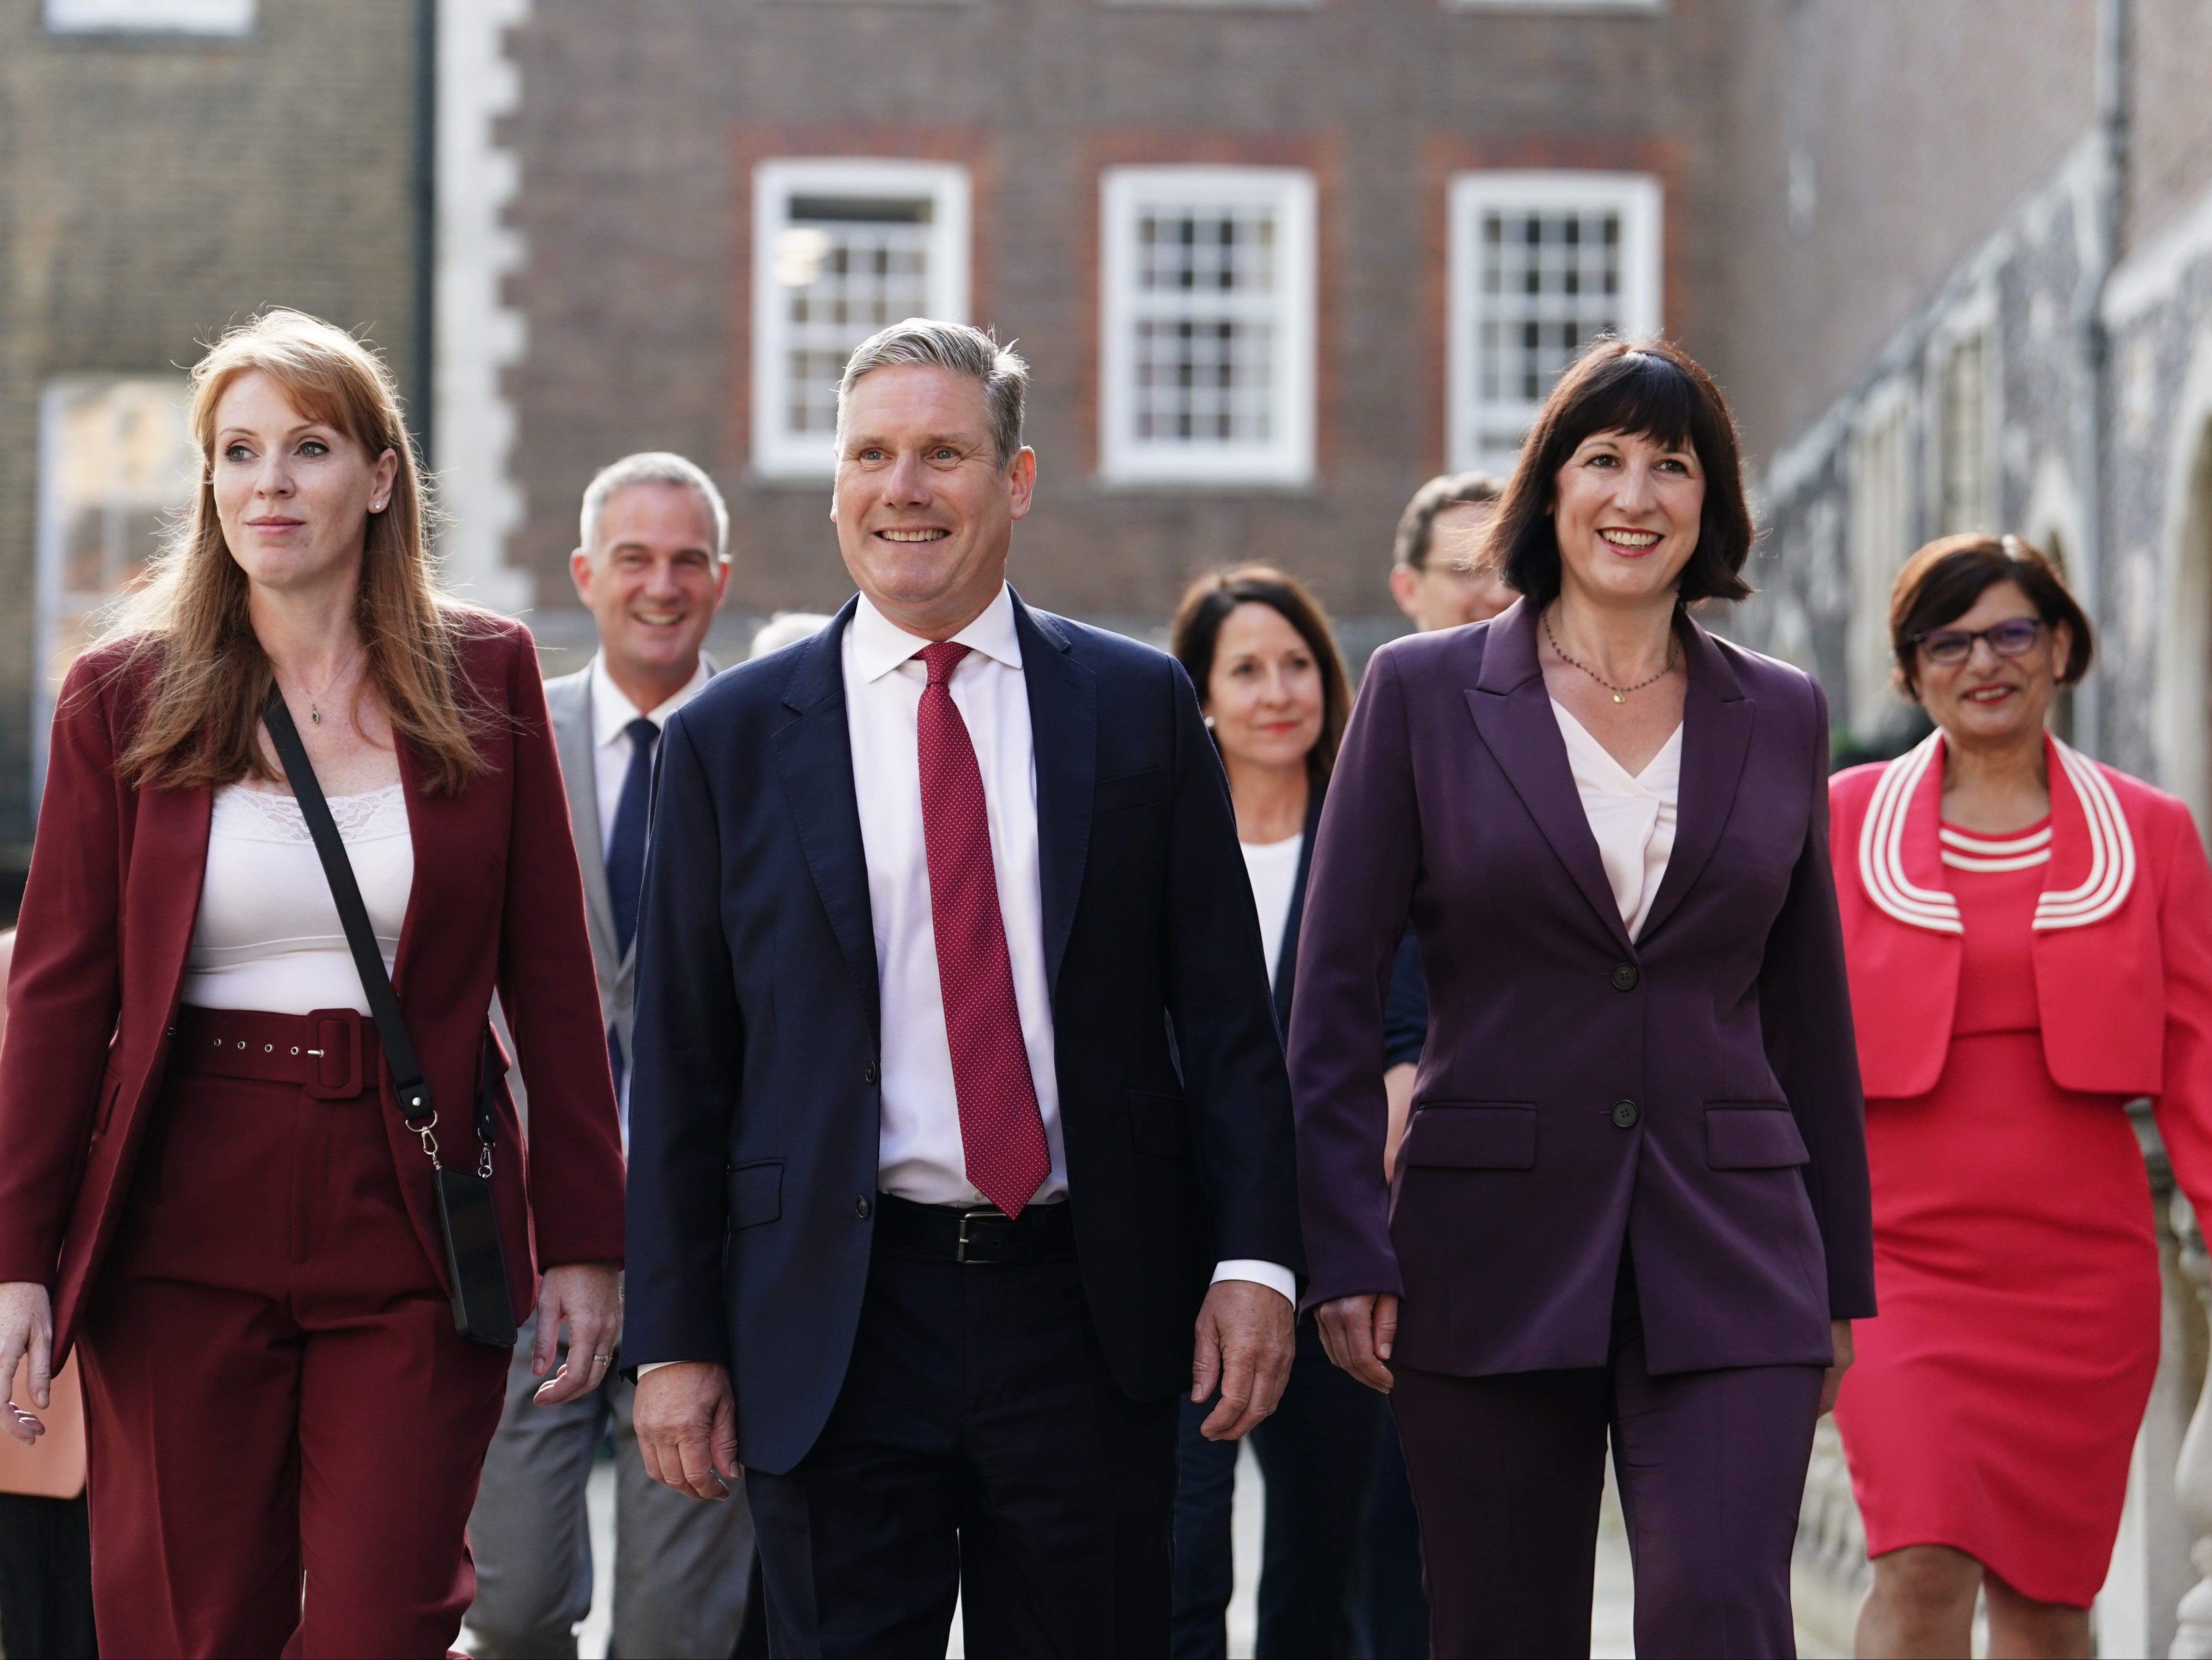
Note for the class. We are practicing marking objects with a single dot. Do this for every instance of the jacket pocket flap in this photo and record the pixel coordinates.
(756, 1192)
(1473, 1135)
(1159, 1124)
(1134, 789)
(1753, 1135)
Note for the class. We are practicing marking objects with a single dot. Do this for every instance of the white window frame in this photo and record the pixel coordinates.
(1640, 202)
(230, 18)
(1287, 458)
(778, 453)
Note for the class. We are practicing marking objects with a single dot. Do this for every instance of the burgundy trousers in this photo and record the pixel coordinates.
(284, 1429)
(1508, 1472)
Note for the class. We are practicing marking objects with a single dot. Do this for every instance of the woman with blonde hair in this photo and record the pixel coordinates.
(302, 815)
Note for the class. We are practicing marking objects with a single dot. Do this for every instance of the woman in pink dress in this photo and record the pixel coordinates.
(2029, 936)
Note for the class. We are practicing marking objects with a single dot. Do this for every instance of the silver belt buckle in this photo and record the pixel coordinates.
(960, 1245)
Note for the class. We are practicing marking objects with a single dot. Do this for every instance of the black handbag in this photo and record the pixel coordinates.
(476, 1267)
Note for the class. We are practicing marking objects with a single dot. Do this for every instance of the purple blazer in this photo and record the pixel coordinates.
(1694, 1094)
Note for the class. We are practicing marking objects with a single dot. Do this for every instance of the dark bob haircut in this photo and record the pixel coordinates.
(1655, 390)
(1197, 631)
(1940, 584)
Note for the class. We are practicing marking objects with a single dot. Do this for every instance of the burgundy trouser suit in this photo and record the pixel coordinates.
(271, 1332)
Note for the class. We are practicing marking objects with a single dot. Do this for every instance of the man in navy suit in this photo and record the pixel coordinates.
(960, 1136)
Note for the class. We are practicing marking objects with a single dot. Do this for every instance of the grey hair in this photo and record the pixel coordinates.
(1418, 522)
(953, 346)
(650, 467)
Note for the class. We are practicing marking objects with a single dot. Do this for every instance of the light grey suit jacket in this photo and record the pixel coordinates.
(569, 699)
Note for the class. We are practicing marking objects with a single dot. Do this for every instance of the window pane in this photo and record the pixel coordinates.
(119, 466)
(170, 17)
(848, 267)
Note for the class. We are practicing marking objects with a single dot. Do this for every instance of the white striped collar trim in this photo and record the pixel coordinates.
(2111, 851)
(1882, 849)
(1983, 852)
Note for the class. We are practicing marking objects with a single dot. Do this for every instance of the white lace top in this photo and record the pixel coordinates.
(268, 935)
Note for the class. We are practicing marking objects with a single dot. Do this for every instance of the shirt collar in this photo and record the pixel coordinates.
(612, 711)
(880, 645)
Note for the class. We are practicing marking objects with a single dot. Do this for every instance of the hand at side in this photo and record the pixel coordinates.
(1359, 1332)
(687, 1427)
(587, 1297)
(1244, 1345)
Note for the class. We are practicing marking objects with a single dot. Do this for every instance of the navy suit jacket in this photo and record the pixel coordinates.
(1691, 1095)
(754, 1108)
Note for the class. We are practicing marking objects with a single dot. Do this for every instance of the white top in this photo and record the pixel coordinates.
(612, 714)
(1273, 868)
(1632, 817)
(268, 934)
(920, 1154)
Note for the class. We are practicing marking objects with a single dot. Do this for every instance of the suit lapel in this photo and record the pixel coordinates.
(1287, 961)
(580, 777)
(1063, 698)
(1716, 720)
(1513, 713)
(814, 752)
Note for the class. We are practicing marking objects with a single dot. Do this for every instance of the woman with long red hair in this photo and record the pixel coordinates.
(285, 1237)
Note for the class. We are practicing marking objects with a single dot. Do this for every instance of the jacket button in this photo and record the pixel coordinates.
(861, 1208)
(1625, 977)
(868, 1073)
(170, 1032)
(1626, 1114)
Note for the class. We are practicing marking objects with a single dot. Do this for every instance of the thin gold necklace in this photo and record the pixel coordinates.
(1620, 693)
(315, 698)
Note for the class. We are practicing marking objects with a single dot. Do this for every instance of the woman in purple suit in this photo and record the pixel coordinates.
(1632, 1198)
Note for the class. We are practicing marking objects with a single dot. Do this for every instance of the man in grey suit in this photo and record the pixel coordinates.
(652, 566)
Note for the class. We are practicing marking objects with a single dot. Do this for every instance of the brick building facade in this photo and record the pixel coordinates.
(167, 167)
(671, 152)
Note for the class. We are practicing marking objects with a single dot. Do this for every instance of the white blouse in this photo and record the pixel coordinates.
(1273, 867)
(268, 935)
(1631, 816)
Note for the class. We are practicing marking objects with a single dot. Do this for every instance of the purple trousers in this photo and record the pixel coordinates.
(1508, 1471)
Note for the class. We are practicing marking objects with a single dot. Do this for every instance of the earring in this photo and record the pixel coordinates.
(1209, 723)
(376, 506)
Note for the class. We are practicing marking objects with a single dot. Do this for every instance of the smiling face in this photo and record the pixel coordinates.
(1989, 701)
(293, 494)
(1264, 693)
(1628, 513)
(925, 511)
(652, 582)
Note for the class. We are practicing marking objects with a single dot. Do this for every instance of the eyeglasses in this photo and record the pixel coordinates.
(2014, 637)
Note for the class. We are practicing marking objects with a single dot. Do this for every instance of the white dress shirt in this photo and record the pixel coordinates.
(1631, 815)
(920, 1153)
(612, 714)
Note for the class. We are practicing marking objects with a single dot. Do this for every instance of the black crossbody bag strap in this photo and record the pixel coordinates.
(414, 1091)
(476, 1266)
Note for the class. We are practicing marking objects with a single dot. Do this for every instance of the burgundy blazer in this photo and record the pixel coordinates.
(99, 969)
(1693, 1095)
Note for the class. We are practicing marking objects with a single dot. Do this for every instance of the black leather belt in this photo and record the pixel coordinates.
(1042, 1233)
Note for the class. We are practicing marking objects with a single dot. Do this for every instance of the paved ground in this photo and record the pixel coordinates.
(1611, 1612)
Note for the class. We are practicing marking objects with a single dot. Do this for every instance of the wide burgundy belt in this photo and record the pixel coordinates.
(330, 1051)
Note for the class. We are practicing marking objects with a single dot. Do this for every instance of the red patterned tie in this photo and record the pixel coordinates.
(1001, 1131)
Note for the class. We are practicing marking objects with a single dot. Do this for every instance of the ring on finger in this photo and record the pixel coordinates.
(602, 1359)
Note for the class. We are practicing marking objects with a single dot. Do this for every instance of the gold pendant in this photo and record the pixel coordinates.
(1616, 698)
(316, 714)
